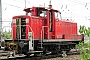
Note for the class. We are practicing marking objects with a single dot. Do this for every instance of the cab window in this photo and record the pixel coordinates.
(57, 16)
(43, 13)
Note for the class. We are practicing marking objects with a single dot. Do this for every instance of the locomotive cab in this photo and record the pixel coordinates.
(24, 23)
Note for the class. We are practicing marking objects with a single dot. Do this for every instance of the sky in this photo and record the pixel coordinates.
(75, 10)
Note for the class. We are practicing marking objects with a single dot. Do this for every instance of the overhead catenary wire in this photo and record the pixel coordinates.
(66, 6)
(84, 4)
(12, 5)
(68, 10)
(21, 1)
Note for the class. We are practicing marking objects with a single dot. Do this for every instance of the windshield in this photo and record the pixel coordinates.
(43, 13)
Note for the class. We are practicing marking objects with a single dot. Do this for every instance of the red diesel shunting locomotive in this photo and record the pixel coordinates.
(43, 29)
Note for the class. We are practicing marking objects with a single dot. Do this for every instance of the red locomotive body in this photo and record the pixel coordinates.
(51, 26)
(45, 30)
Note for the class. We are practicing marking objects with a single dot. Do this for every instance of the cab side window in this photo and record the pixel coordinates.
(57, 16)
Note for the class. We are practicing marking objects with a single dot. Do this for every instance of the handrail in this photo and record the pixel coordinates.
(42, 37)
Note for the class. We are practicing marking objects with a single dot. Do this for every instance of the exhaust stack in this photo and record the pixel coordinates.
(50, 6)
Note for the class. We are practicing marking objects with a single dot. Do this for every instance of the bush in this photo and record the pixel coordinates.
(82, 46)
(83, 51)
(8, 35)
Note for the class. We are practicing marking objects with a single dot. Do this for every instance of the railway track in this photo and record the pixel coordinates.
(42, 57)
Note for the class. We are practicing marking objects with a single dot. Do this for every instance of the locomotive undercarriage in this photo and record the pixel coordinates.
(55, 47)
(20, 46)
(46, 48)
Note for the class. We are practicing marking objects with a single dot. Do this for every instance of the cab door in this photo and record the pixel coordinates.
(48, 29)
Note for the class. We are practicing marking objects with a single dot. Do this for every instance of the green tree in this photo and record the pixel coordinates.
(82, 30)
(81, 46)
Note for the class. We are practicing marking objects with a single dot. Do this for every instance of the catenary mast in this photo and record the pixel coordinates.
(0, 15)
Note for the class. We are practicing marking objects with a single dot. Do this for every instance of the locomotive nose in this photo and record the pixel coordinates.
(19, 28)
